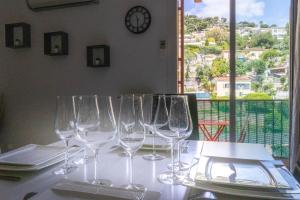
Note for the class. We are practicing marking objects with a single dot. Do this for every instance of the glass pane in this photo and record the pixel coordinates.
(262, 65)
(206, 64)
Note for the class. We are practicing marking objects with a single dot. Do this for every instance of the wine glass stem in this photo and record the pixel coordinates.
(96, 152)
(66, 141)
(130, 169)
(153, 144)
(172, 157)
(85, 155)
(179, 154)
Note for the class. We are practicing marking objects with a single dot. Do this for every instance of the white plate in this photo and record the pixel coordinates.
(28, 168)
(261, 193)
(236, 150)
(31, 155)
(241, 173)
(241, 192)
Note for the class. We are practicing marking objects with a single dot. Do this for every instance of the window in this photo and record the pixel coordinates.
(255, 62)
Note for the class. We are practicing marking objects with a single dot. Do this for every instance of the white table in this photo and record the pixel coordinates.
(113, 167)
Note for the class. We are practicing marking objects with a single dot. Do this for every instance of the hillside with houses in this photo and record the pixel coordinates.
(262, 58)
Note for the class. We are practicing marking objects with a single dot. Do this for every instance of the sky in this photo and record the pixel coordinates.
(268, 11)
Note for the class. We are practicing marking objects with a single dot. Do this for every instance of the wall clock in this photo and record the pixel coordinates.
(138, 19)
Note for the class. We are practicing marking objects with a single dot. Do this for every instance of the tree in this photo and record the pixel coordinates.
(241, 68)
(220, 67)
(219, 34)
(258, 66)
(263, 40)
(241, 41)
(190, 54)
(194, 24)
(284, 83)
(204, 77)
(269, 56)
(263, 25)
(246, 24)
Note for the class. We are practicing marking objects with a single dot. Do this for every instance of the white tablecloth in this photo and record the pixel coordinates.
(112, 166)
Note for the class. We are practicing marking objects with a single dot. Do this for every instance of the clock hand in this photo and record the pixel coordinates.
(137, 21)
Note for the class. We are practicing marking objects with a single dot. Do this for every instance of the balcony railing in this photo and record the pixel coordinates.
(263, 121)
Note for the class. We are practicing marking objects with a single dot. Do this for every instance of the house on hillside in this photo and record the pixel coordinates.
(243, 86)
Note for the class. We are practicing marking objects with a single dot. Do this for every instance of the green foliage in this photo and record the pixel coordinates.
(224, 45)
(262, 40)
(220, 67)
(259, 66)
(257, 96)
(246, 24)
(219, 34)
(263, 25)
(190, 53)
(204, 77)
(221, 98)
(269, 54)
(242, 42)
(211, 50)
(195, 24)
(241, 68)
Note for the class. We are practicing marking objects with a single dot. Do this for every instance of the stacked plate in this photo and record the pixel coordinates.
(32, 157)
(241, 169)
(241, 177)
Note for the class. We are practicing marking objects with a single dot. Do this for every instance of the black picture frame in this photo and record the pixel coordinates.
(56, 43)
(98, 56)
(18, 35)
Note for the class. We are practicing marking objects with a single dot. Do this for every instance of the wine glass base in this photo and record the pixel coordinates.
(124, 154)
(137, 187)
(65, 170)
(179, 166)
(102, 182)
(169, 178)
(82, 161)
(153, 157)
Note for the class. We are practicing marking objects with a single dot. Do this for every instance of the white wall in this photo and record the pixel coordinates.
(31, 80)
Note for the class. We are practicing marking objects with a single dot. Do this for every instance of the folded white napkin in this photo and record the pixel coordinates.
(67, 189)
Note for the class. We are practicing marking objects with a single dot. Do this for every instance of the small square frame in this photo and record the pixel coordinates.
(21, 31)
(103, 58)
(56, 43)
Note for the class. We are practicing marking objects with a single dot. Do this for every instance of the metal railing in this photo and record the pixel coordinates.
(263, 121)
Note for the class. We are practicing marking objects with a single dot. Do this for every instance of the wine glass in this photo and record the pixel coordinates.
(65, 128)
(96, 127)
(131, 130)
(148, 123)
(171, 124)
(182, 166)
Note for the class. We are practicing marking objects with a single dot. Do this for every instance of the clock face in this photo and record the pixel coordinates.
(138, 19)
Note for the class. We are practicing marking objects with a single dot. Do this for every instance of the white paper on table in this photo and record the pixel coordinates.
(69, 190)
